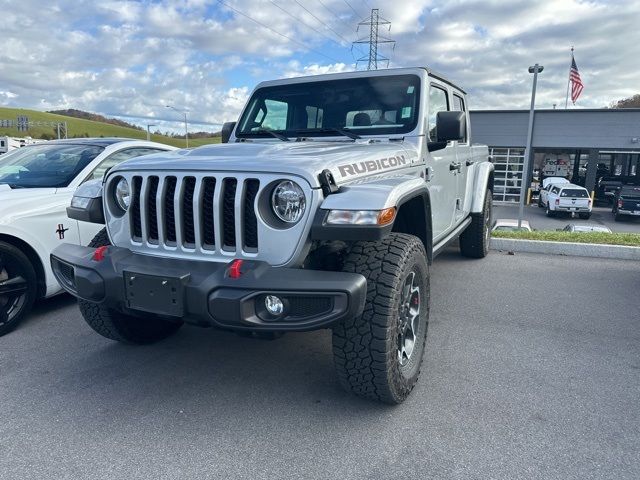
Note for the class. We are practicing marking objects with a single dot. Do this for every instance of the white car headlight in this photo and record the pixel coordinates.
(122, 194)
(288, 201)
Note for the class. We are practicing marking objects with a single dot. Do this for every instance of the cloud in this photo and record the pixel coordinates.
(132, 58)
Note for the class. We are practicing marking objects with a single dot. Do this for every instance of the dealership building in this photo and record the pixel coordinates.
(590, 147)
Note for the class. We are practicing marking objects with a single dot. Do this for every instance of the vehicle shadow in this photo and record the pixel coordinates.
(207, 370)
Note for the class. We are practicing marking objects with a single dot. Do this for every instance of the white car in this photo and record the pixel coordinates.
(37, 183)
(510, 225)
(585, 229)
(566, 198)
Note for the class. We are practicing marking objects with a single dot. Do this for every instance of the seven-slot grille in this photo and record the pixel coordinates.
(209, 213)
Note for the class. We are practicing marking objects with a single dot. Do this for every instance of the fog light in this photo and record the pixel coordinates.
(273, 305)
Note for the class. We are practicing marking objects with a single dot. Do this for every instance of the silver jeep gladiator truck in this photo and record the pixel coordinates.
(323, 208)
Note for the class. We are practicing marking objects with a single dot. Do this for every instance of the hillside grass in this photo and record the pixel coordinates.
(629, 239)
(80, 127)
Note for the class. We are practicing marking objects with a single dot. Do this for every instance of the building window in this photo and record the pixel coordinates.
(508, 164)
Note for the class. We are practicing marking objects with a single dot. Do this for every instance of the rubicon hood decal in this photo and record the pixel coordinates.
(371, 165)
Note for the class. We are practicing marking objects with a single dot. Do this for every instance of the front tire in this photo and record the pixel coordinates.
(18, 287)
(379, 354)
(474, 241)
(121, 327)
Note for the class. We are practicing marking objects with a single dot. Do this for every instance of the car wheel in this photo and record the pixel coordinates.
(18, 287)
(124, 328)
(379, 353)
(617, 217)
(474, 241)
(550, 213)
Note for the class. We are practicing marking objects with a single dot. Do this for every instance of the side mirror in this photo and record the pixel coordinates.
(227, 128)
(451, 126)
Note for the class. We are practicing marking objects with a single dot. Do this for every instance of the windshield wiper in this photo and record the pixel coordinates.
(341, 131)
(279, 136)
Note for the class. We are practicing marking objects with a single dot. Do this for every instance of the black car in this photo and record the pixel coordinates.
(627, 202)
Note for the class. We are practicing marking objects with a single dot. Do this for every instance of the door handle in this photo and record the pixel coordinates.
(454, 166)
(470, 162)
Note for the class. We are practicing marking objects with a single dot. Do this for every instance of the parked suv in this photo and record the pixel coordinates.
(324, 210)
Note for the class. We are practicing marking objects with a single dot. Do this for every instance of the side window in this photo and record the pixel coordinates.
(458, 106)
(118, 157)
(438, 102)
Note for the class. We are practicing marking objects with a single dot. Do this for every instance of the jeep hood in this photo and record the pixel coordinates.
(347, 161)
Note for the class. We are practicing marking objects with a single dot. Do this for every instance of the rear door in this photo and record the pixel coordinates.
(443, 186)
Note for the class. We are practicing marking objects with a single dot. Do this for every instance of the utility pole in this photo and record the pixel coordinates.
(149, 125)
(374, 21)
(186, 128)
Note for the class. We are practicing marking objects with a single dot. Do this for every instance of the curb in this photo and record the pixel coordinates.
(597, 250)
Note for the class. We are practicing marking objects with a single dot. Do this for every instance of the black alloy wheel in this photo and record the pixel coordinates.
(17, 287)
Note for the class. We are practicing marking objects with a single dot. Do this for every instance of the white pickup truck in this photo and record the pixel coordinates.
(560, 196)
(324, 210)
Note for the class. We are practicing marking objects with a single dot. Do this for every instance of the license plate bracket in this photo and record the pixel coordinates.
(163, 295)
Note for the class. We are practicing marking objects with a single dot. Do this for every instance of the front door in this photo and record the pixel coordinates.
(442, 174)
(463, 159)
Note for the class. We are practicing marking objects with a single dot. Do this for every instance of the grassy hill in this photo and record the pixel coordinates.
(80, 127)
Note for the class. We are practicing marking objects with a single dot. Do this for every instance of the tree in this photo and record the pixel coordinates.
(631, 102)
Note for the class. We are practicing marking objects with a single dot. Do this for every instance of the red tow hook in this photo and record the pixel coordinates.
(98, 255)
(234, 268)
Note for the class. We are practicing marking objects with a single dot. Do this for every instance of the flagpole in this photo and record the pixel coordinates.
(566, 100)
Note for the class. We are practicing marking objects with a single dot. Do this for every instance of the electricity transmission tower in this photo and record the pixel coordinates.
(375, 39)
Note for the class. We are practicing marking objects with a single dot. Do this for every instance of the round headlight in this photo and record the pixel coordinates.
(123, 194)
(288, 201)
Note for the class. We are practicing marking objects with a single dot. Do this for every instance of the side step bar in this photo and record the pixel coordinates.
(446, 241)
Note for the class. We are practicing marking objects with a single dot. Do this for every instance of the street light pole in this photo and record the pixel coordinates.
(186, 127)
(149, 125)
(527, 153)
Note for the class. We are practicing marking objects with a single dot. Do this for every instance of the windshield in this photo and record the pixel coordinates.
(45, 165)
(365, 106)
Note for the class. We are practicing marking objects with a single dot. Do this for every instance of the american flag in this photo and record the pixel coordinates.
(576, 82)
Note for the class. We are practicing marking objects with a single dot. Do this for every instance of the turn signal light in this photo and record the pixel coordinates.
(98, 255)
(386, 216)
(362, 217)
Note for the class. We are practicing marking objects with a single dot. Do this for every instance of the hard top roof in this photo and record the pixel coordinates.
(361, 73)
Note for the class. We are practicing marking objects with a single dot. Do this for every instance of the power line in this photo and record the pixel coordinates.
(305, 23)
(310, 13)
(340, 20)
(374, 22)
(354, 10)
(306, 47)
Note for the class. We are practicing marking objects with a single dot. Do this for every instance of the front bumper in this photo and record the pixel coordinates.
(203, 293)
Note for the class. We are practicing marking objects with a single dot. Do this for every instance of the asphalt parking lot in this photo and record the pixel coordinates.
(532, 371)
(539, 221)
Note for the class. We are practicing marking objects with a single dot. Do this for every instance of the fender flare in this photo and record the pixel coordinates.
(483, 181)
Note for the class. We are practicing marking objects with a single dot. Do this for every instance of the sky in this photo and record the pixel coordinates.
(129, 59)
